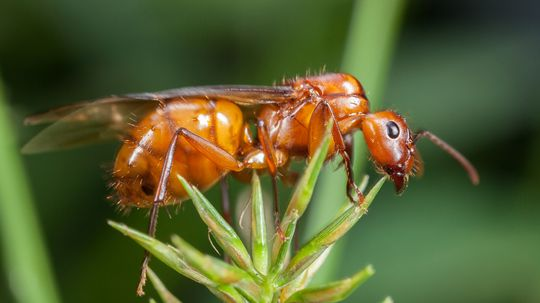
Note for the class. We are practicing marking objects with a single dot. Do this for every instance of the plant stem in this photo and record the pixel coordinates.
(24, 251)
(372, 35)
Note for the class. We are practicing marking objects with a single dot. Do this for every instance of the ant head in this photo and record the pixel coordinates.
(392, 146)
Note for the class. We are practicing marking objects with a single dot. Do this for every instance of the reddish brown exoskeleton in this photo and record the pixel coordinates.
(203, 133)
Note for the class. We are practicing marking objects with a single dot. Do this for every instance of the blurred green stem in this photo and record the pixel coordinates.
(372, 35)
(28, 271)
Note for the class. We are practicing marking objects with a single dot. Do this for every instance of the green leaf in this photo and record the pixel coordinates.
(332, 292)
(163, 292)
(305, 278)
(303, 191)
(224, 234)
(281, 256)
(24, 252)
(165, 253)
(215, 269)
(259, 240)
(228, 294)
(328, 236)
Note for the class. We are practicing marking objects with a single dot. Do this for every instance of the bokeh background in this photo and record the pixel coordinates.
(466, 70)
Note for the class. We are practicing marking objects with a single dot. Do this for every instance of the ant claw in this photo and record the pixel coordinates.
(280, 233)
(359, 195)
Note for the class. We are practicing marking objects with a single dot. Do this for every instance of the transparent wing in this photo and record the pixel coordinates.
(245, 95)
(112, 118)
(86, 123)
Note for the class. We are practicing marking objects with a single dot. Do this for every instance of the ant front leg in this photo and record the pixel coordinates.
(271, 163)
(322, 115)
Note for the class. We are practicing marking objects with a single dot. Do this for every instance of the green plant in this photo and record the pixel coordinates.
(23, 248)
(270, 273)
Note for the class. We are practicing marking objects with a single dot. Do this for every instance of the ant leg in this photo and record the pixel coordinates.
(349, 150)
(349, 146)
(322, 115)
(270, 157)
(215, 153)
(212, 151)
(159, 197)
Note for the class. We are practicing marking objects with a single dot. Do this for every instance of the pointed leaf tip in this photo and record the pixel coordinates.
(215, 269)
(327, 236)
(163, 252)
(334, 291)
(259, 239)
(162, 291)
(224, 234)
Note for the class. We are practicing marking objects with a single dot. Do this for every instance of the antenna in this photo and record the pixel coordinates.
(469, 168)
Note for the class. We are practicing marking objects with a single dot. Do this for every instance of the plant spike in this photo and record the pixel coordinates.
(328, 236)
(224, 234)
(262, 277)
(162, 291)
(259, 239)
(165, 253)
(332, 292)
(303, 191)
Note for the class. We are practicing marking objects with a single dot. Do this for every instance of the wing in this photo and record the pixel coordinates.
(112, 118)
(91, 122)
(245, 95)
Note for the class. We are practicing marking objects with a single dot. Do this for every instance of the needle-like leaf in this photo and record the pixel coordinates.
(279, 262)
(165, 253)
(217, 270)
(303, 192)
(253, 278)
(224, 234)
(162, 291)
(329, 235)
(228, 294)
(259, 240)
(332, 292)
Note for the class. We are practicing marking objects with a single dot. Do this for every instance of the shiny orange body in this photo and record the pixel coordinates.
(140, 160)
(204, 133)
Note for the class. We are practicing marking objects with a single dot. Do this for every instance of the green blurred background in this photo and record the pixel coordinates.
(466, 70)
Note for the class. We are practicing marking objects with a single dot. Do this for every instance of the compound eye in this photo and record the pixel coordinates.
(392, 130)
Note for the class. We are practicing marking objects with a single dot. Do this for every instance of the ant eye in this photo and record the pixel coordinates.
(392, 129)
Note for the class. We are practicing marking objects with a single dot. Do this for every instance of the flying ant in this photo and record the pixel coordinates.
(203, 133)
